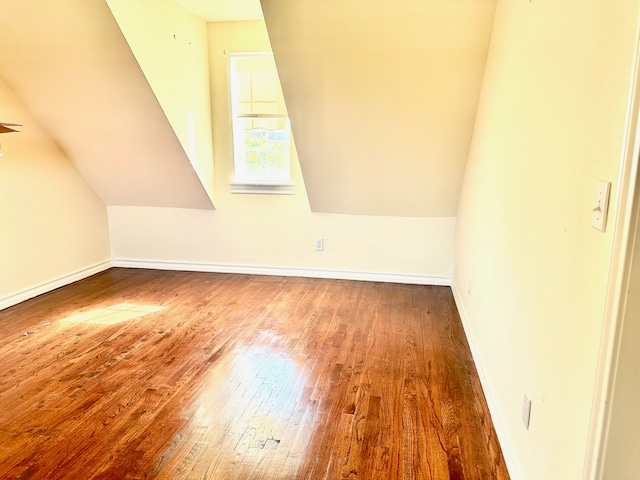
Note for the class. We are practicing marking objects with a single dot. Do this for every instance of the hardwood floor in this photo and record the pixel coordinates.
(136, 374)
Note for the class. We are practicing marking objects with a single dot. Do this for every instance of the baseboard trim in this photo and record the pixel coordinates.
(496, 415)
(44, 287)
(284, 271)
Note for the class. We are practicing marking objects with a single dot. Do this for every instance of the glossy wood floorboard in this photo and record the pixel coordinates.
(136, 374)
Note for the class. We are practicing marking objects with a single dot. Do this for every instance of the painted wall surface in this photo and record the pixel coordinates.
(51, 223)
(69, 63)
(272, 235)
(224, 10)
(171, 46)
(622, 454)
(382, 98)
(550, 124)
(274, 230)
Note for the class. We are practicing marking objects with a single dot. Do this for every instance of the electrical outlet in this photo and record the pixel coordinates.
(469, 287)
(319, 244)
(526, 410)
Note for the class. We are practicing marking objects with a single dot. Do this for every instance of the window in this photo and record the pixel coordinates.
(261, 132)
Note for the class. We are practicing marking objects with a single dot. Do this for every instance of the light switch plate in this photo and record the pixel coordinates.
(601, 205)
(526, 410)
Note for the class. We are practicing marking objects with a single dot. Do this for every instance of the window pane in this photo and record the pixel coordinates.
(262, 138)
(266, 154)
(265, 107)
(264, 87)
(244, 86)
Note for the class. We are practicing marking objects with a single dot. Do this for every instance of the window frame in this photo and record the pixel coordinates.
(246, 185)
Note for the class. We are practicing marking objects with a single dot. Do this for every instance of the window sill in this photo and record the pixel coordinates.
(263, 188)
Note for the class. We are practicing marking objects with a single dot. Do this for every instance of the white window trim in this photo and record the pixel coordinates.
(276, 188)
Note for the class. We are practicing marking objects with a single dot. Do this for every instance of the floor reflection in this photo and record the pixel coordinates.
(245, 420)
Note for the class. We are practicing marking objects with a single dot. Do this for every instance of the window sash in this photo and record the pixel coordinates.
(260, 125)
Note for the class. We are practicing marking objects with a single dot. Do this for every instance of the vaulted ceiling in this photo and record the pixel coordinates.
(70, 64)
(382, 97)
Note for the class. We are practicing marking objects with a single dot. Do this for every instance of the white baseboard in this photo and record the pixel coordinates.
(284, 271)
(21, 296)
(496, 414)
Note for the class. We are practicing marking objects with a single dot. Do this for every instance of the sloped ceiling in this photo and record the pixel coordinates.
(71, 66)
(171, 46)
(382, 98)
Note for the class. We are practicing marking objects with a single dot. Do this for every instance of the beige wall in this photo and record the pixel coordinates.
(550, 123)
(171, 46)
(71, 66)
(51, 223)
(382, 98)
(274, 230)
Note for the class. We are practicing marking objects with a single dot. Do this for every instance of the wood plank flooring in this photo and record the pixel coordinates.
(135, 374)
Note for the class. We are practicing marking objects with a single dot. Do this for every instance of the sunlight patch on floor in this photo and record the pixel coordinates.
(245, 413)
(113, 314)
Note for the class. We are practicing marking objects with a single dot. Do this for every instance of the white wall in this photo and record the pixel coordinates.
(247, 236)
(275, 230)
(550, 123)
(52, 225)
